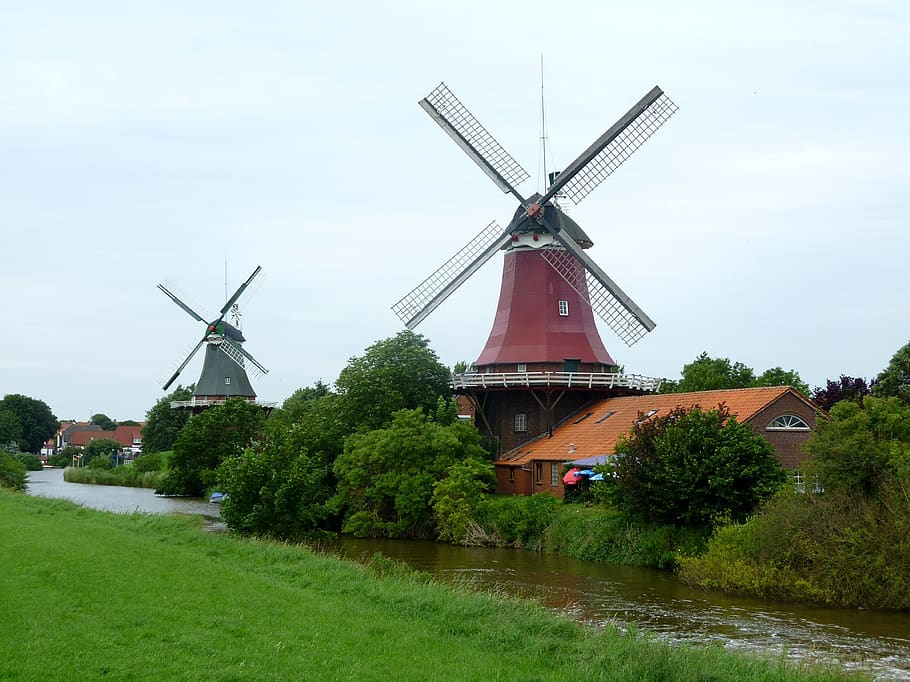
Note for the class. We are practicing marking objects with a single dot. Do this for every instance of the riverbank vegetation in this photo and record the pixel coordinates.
(146, 471)
(179, 603)
(383, 455)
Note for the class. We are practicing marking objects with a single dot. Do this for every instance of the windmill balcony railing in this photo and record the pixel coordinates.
(205, 402)
(592, 380)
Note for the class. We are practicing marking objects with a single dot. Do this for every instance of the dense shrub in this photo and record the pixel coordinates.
(688, 468)
(12, 472)
(30, 461)
(516, 520)
(836, 548)
(64, 457)
(457, 498)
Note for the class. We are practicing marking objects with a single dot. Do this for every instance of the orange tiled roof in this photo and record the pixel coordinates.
(595, 429)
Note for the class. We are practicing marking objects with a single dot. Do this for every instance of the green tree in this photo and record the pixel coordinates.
(458, 498)
(690, 467)
(302, 441)
(208, 439)
(894, 380)
(36, 421)
(276, 488)
(296, 404)
(861, 448)
(386, 476)
(64, 457)
(163, 423)
(105, 422)
(12, 472)
(708, 374)
(10, 430)
(100, 449)
(778, 376)
(395, 374)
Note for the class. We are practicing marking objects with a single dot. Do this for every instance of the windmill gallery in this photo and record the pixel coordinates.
(544, 365)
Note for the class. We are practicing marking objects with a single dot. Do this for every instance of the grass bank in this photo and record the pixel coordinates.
(90, 595)
(146, 471)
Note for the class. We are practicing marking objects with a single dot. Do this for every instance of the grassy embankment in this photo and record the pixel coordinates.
(90, 595)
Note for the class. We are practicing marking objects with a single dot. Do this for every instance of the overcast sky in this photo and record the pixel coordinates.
(766, 222)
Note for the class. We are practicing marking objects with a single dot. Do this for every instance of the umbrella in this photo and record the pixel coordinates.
(570, 477)
(597, 477)
(586, 472)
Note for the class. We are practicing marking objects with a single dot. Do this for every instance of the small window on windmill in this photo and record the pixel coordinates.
(522, 367)
(227, 381)
(521, 422)
(563, 308)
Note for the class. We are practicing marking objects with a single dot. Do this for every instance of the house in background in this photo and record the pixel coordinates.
(80, 434)
(781, 414)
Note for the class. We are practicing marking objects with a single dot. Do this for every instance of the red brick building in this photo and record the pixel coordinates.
(782, 414)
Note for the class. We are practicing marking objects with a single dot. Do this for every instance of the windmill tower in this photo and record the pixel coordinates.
(224, 369)
(544, 357)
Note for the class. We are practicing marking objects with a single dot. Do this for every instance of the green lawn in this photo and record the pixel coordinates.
(89, 595)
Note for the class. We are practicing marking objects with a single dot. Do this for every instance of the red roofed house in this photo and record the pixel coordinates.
(780, 413)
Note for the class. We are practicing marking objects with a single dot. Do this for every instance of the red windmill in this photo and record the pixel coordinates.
(544, 357)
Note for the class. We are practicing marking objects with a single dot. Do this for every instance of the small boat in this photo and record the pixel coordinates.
(217, 497)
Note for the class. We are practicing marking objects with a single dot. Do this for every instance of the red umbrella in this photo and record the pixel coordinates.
(571, 476)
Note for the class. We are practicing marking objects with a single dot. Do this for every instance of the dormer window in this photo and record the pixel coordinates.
(563, 308)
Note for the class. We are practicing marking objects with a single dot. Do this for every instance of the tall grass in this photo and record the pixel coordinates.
(89, 595)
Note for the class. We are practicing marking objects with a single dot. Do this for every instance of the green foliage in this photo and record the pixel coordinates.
(64, 457)
(778, 376)
(457, 498)
(690, 468)
(163, 423)
(105, 422)
(30, 461)
(839, 549)
(152, 461)
(36, 422)
(99, 452)
(208, 439)
(894, 380)
(277, 487)
(10, 430)
(706, 374)
(12, 472)
(711, 374)
(859, 449)
(517, 520)
(386, 476)
(395, 374)
(295, 406)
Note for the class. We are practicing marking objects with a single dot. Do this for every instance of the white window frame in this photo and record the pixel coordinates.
(227, 381)
(554, 474)
(522, 367)
(563, 308)
(521, 422)
(788, 422)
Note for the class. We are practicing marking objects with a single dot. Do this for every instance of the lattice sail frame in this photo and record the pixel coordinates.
(481, 142)
(619, 149)
(423, 294)
(235, 353)
(609, 308)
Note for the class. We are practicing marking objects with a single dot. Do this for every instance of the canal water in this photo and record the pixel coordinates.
(874, 642)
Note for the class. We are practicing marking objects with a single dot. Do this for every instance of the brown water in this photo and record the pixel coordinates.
(876, 642)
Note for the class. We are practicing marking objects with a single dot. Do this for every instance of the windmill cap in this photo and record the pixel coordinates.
(555, 216)
(232, 332)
